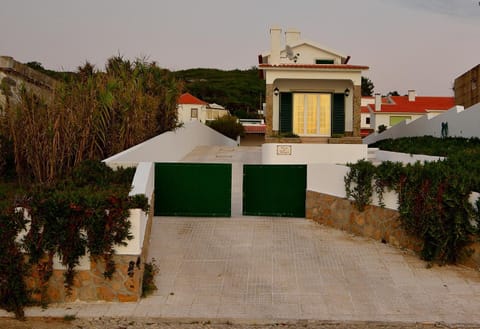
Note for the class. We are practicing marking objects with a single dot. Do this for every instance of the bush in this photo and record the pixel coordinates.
(381, 128)
(87, 212)
(433, 197)
(228, 126)
(148, 283)
(13, 291)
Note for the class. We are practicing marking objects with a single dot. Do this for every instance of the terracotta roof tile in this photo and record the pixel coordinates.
(315, 66)
(255, 129)
(364, 109)
(422, 104)
(190, 99)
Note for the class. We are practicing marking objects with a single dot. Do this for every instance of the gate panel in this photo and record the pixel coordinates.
(193, 189)
(274, 190)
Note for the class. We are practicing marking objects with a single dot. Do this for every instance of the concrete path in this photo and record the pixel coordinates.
(261, 270)
(285, 269)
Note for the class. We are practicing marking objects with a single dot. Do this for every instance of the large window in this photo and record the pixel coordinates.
(394, 119)
(311, 114)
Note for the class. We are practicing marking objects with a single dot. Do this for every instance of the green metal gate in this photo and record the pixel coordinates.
(193, 189)
(274, 190)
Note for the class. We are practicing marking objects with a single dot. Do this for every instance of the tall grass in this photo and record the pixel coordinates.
(91, 116)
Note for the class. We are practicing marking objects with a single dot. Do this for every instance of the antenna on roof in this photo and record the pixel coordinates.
(290, 54)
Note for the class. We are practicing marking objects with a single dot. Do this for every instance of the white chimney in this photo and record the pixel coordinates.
(378, 102)
(411, 95)
(275, 45)
(292, 36)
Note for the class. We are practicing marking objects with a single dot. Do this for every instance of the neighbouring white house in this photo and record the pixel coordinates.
(311, 91)
(365, 117)
(191, 108)
(390, 110)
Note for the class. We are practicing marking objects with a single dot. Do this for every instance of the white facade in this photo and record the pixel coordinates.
(192, 112)
(384, 118)
(461, 123)
(202, 113)
(302, 68)
(302, 153)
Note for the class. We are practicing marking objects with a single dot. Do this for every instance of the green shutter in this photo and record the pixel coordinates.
(286, 109)
(338, 114)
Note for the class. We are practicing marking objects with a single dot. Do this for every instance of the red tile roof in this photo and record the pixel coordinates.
(255, 129)
(190, 99)
(315, 66)
(422, 104)
(364, 109)
(364, 132)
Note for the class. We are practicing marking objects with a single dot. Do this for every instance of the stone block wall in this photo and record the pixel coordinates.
(374, 222)
(91, 285)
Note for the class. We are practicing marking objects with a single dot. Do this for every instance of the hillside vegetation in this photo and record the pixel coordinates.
(237, 90)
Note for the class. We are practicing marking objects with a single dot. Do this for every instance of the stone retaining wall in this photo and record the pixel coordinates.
(90, 285)
(374, 222)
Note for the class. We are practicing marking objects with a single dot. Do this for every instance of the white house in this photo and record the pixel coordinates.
(365, 116)
(311, 91)
(191, 108)
(390, 110)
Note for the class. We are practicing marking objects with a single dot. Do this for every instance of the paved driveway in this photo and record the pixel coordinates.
(273, 268)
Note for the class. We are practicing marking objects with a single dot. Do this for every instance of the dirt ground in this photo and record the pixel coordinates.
(113, 323)
(35, 323)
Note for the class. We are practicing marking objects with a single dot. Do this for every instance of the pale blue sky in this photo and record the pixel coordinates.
(408, 44)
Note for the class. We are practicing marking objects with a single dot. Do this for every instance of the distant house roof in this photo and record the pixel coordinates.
(255, 129)
(364, 109)
(188, 98)
(216, 106)
(421, 104)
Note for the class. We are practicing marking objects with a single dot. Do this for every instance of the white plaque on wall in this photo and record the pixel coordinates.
(284, 149)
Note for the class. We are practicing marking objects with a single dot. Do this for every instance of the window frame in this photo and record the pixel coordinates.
(192, 111)
(324, 61)
(318, 114)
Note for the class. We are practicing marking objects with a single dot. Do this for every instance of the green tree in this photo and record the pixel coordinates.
(367, 87)
(235, 89)
(228, 126)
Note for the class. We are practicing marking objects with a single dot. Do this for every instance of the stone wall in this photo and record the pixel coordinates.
(20, 75)
(374, 222)
(91, 285)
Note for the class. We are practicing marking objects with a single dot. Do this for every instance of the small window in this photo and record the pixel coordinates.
(367, 121)
(194, 113)
(474, 83)
(324, 61)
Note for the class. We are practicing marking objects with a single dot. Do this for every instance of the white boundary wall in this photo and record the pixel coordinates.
(170, 146)
(300, 153)
(461, 123)
(329, 179)
(143, 183)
